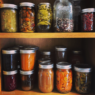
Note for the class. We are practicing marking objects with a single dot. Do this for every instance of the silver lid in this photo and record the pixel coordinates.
(88, 10)
(26, 72)
(63, 65)
(9, 6)
(76, 52)
(60, 48)
(27, 4)
(43, 61)
(10, 72)
(27, 51)
(45, 3)
(9, 51)
(46, 52)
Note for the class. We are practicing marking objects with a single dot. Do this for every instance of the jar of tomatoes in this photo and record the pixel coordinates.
(63, 77)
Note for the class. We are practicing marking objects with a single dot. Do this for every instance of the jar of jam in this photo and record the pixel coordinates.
(63, 77)
(10, 80)
(10, 59)
(46, 77)
(27, 80)
(61, 54)
(27, 17)
(82, 78)
(27, 59)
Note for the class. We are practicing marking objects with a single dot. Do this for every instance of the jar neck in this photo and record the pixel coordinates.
(63, 0)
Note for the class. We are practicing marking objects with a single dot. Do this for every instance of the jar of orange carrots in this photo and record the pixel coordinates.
(27, 59)
(63, 77)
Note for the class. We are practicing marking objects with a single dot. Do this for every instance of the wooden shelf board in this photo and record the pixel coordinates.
(48, 35)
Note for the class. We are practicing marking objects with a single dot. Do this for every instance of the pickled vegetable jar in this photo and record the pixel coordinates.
(27, 80)
(10, 80)
(82, 78)
(8, 18)
(27, 59)
(27, 17)
(46, 77)
(63, 77)
(44, 17)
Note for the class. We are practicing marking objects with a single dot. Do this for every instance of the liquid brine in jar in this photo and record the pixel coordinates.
(44, 17)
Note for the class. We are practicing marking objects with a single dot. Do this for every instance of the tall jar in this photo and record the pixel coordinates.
(8, 18)
(63, 77)
(27, 17)
(44, 17)
(82, 78)
(46, 77)
(63, 16)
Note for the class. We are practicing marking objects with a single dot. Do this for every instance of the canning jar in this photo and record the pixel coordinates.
(63, 77)
(63, 16)
(46, 55)
(8, 18)
(10, 59)
(10, 80)
(61, 54)
(27, 59)
(82, 78)
(44, 17)
(27, 17)
(46, 77)
(27, 80)
(88, 20)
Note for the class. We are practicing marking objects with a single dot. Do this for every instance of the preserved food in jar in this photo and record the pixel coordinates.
(27, 17)
(8, 18)
(10, 80)
(88, 19)
(46, 77)
(44, 17)
(82, 78)
(27, 80)
(46, 55)
(27, 59)
(63, 77)
(63, 16)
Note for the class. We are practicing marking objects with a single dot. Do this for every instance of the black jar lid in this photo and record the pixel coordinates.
(60, 48)
(46, 53)
(43, 60)
(26, 72)
(9, 6)
(63, 65)
(88, 10)
(29, 4)
(82, 68)
(10, 72)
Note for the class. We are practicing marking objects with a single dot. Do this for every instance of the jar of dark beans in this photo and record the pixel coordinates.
(88, 20)
(63, 16)
(10, 80)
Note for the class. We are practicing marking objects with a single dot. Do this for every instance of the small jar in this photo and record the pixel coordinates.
(88, 20)
(63, 77)
(27, 17)
(82, 78)
(8, 18)
(46, 77)
(10, 59)
(10, 80)
(61, 54)
(46, 55)
(27, 80)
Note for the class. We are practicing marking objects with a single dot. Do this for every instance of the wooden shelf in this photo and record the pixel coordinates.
(48, 35)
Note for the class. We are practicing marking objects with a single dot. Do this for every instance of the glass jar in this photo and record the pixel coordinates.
(63, 16)
(10, 59)
(8, 18)
(27, 17)
(63, 77)
(10, 80)
(27, 59)
(46, 77)
(82, 78)
(77, 15)
(46, 55)
(44, 17)
(61, 54)
(27, 80)
(88, 20)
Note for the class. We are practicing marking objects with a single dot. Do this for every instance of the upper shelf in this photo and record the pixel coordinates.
(49, 35)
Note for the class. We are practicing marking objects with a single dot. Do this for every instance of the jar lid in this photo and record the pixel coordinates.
(60, 48)
(42, 61)
(88, 10)
(9, 6)
(27, 4)
(26, 72)
(82, 68)
(46, 52)
(9, 51)
(76, 52)
(63, 65)
(25, 51)
(47, 65)
(10, 72)
(45, 3)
